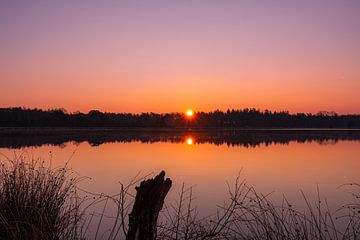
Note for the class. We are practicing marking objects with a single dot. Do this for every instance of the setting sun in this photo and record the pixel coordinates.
(189, 141)
(189, 113)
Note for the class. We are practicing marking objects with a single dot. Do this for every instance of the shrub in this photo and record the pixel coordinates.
(38, 202)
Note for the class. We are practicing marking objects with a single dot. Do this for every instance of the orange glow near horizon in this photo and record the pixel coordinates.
(189, 141)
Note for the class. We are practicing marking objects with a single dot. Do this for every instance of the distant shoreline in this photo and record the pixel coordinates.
(149, 129)
(243, 119)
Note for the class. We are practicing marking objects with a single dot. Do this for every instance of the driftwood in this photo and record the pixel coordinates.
(149, 201)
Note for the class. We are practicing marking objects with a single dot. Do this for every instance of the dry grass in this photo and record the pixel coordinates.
(249, 215)
(38, 202)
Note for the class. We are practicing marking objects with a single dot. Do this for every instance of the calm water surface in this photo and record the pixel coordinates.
(282, 165)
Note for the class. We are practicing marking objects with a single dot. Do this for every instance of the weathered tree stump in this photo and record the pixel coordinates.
(149, 201)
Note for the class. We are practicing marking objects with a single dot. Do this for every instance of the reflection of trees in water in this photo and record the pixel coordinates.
(247, 138)
(328, 142)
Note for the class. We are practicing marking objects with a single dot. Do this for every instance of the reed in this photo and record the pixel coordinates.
(38, 201)
(249, 215)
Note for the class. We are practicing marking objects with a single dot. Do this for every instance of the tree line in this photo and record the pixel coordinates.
(244, 118)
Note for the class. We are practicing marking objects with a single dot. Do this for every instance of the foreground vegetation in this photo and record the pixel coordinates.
(38, 201)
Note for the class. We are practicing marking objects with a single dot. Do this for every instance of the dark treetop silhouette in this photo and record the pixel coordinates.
(246, 118)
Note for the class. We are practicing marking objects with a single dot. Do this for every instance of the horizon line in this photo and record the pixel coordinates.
(320, 112)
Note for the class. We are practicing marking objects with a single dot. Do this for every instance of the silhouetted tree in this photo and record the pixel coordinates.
(246, 118)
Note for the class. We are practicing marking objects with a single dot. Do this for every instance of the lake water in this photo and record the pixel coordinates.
(279, 161)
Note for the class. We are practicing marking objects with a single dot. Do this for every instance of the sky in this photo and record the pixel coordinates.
(171, 55)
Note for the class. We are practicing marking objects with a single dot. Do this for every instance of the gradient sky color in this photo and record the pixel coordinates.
(166, 56)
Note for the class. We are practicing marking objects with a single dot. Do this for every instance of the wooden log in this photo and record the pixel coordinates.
(149, 201)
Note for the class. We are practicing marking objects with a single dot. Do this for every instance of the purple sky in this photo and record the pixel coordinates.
(164, 56)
